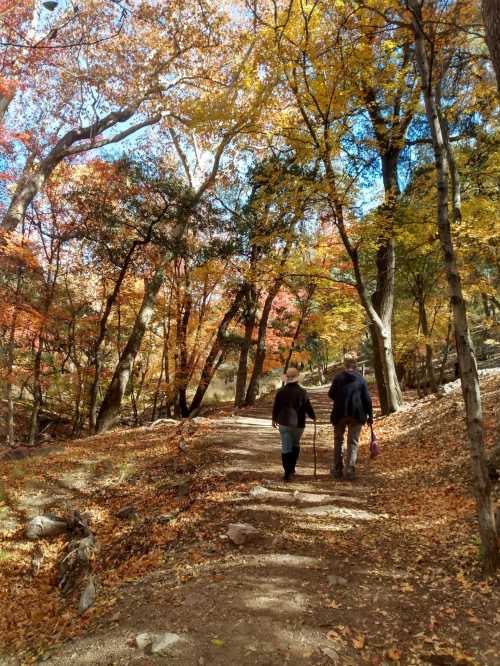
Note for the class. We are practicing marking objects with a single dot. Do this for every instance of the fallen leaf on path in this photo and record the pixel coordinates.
(333, 604)
(393, 654)
(406, 587)
(358, 642)
(218, 642)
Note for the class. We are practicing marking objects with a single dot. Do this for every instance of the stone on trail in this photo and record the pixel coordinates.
(143, 640)
(259, 491)
(155, 643)
(331, 654)
(164, 642)
(44, 526)
(241, 533)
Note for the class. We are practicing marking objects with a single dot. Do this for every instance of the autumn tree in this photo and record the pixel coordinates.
(146, 68)
(425, 33)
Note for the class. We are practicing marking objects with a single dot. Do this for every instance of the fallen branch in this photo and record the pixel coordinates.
(75, 569)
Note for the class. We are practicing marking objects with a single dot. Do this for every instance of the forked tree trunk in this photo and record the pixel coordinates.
(215, 354)
(110, 407)
(242, 372)
(103, 327)
(465, 351)
(390, 135)
(382, 323)
(381, 331)
(260, 353)
(390, 394)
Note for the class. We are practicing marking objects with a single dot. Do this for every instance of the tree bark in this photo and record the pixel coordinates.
(182, 373)
(213, 359)
(103, 327)
(11, 348)
(381, 328)
(242, 373)
(303, 312)
(424, 324)
(491, 18)
(111, 404)
(260, 354)
(466, 357)
(390, 135)
(389, 390)
(37, 392)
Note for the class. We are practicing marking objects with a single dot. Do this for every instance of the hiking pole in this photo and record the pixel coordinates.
(314, 448)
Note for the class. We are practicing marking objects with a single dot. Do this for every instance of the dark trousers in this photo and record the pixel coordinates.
(353, 428)
(290, 447)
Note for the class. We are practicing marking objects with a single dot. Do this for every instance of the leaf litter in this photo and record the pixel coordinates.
(415, 593)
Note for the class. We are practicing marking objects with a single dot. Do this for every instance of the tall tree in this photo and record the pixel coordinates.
(465, 351)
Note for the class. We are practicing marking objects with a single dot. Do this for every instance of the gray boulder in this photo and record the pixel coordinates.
(44, 526)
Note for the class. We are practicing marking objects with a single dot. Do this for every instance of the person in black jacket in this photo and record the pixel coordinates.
(352, 408)
(289, 414)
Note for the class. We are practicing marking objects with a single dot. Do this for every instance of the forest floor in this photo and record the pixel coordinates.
(382, 570)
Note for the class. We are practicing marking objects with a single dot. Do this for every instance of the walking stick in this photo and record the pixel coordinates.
(314, 448)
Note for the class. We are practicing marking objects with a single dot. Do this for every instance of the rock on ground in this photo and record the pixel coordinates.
(43, 526)
(241, 533)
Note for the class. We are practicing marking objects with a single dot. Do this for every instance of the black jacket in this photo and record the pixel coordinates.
(291, 405)
(349, 392)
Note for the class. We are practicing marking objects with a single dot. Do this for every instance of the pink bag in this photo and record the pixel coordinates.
(374, 447)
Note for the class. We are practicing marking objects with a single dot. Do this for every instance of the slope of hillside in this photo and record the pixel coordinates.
(382, 570)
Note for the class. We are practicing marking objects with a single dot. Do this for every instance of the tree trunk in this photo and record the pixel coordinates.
(103, 327)
(213, 359)
(182, 374)
(110, 407)
(260, 354)
(378, 369)
(382, 322)
(37, 394)
(158, 383)
(11, 349)
(424, 324)
(491, 18)
(303, 312)
(446, 353)
(242, 373)
(465, 351)
(389, 391)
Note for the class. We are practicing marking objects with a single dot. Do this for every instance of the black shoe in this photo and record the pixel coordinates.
(288, 463)
(350, 473)
(337, 472)
(293, 458)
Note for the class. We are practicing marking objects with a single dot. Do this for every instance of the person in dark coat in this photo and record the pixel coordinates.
(291, 405)
(352, 408)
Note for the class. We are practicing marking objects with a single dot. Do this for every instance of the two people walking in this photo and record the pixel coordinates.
(352, 408)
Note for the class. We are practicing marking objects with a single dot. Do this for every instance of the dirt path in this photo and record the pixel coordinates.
(270, 601)
(338, 574)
